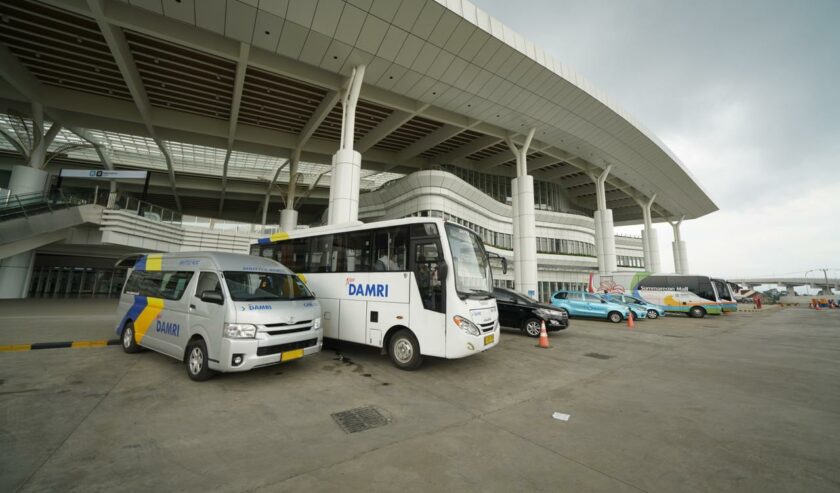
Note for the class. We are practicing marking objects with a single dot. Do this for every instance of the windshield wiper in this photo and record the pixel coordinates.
(483, 295)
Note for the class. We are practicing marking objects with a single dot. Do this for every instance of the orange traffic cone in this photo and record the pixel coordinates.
(630, 324)
(543, 336)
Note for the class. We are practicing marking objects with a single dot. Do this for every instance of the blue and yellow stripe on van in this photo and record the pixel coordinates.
(143, 312)
(152, 262)
(278, 236)
(145, 309)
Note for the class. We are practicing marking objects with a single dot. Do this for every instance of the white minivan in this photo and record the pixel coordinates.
(217, 311)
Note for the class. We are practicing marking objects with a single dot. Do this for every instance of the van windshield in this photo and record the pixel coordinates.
(265, 286)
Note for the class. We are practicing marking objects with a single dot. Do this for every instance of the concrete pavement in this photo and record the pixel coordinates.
(744, 402)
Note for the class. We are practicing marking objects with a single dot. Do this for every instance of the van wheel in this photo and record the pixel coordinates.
(696, 312)
(532, 327)
(196, 361)
(129, 343)
(404, 350)
(615, 317)
(652, 314)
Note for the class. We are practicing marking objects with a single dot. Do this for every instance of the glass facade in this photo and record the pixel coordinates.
(627, 261)
(547, 196)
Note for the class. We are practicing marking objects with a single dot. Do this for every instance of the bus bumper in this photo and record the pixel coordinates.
(462, 344)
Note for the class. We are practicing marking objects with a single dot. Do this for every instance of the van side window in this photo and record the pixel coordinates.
(207, 281)
(169, 285)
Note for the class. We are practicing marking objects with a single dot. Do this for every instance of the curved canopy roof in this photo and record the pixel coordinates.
(444, 84)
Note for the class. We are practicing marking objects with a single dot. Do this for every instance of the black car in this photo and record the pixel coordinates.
(523, 313)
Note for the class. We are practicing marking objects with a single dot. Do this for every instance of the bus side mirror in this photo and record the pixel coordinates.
(212, 297)
(504, 265)
(443, 271)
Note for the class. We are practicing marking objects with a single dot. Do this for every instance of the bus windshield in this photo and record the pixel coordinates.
(471, 267)
(265, 286)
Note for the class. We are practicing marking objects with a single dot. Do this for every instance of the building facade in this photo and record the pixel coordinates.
(566, 251)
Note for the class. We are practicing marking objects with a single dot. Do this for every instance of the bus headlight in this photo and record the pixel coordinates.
(316, 324)
(240, 331)
(465, 325)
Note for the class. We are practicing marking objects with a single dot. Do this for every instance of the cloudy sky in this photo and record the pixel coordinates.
(746, 93)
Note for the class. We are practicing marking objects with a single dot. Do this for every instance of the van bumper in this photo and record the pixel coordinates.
(256, 352)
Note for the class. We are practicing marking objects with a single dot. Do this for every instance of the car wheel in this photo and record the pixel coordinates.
(129, 343)
(197, 360)
(532, 327)
(615, 317)
(696, 312)
(404, 350)
(652, 314)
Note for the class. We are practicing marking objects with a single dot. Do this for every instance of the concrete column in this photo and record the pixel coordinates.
(517, 268)
(650, 240)
(524, 221)
(289, 216)
(15, 272)
(604, 230)
(790, 290)
(26, 179)
(347, 163)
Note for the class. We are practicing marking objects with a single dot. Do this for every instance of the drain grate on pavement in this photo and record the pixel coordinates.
(599, 356)
(360, 419)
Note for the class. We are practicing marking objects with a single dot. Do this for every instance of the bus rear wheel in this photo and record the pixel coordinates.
(404, 350)
(696, 312)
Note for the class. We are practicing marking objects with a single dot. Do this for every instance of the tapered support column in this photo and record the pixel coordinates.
(347, 163)
(289, 216)
(678, 247)
(604, 229)
(524, 221)
(650, 240)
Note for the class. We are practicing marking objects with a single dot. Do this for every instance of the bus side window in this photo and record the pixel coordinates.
(267, 251)
(338, 260)
(320, 256)
(358, 251)
(390, 248)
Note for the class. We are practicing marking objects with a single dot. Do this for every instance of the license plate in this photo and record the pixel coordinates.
(290, 355)
(488, 340)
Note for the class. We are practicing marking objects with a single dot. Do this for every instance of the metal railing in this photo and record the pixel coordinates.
(30, 204)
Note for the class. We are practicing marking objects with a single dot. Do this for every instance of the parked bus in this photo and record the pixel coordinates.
(726, 297)
(676, 293)
(414, 287)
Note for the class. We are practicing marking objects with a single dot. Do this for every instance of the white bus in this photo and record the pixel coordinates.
(414, 287)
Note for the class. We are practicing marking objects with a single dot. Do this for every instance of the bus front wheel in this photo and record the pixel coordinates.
(404, 350)
(696, 312)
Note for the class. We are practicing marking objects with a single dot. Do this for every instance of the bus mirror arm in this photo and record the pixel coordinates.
(503, 259)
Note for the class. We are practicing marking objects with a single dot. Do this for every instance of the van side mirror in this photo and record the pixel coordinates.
(212, 297)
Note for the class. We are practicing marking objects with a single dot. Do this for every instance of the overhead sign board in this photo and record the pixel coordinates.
(104, 174)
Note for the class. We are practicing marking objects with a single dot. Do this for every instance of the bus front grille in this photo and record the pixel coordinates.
(487, 327)
(279, 348)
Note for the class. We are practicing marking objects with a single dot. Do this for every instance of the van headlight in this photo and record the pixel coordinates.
(316, 324)
(240, 331)
(465, 325)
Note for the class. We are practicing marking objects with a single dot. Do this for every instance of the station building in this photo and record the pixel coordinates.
(177, 125)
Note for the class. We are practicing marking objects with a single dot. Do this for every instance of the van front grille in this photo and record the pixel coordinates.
(288, 325)
(289, 331)
(279, 348)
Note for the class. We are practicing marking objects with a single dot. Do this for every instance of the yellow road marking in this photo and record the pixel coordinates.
(15, 347)
(101, 343)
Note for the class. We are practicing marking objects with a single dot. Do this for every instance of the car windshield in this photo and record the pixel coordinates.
(265, 286)
(470, 264)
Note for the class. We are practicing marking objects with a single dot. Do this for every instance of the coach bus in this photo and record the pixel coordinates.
(676, 293)
(726, 297)
(414, 287)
